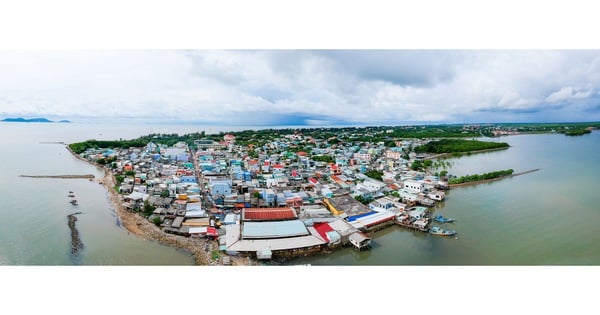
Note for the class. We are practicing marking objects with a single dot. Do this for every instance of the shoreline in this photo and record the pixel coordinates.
(491, 179)
(143, 228)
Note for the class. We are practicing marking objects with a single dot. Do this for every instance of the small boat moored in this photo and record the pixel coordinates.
(440, 218)
(436, 230)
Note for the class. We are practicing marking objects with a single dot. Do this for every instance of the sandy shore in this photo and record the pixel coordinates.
(141, 227)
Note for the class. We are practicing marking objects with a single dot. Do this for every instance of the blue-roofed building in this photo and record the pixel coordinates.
(188, 179)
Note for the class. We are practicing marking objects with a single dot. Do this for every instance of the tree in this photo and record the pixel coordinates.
(375, 174)
(165, 193)
(120, 179)
(416, 165)
(157, 221)
(148, 209)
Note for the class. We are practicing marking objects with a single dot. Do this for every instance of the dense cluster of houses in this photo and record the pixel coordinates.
(278, 202)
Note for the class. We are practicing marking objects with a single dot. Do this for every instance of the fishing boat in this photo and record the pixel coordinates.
(73, 202)
(440, 218)
(436, 230)
(71, 196)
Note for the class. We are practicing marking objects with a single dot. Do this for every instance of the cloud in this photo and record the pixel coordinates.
(567, 93)
(303, 86)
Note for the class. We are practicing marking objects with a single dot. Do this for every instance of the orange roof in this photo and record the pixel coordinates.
(268, 214)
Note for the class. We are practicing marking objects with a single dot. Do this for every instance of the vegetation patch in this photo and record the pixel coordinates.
(479, 177)
(458, 145)
(577, 132)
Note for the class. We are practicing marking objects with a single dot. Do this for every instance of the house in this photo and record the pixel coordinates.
(229, 138)
(385, 204)
(417, 212)
(220, 187)
(360, 240)
(413, 186)
(437, 195)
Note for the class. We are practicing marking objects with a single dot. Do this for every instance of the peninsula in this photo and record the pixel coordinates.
(32, 120)
(275, 194)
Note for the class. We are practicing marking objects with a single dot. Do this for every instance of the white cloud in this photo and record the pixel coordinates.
(568, 93)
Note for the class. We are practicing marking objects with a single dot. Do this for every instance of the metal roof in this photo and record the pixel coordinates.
(273, 229)
(342, 227)
(275, 244)
(268, 214)
(372, 219)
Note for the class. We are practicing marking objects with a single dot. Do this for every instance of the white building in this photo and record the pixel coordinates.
(413, 186)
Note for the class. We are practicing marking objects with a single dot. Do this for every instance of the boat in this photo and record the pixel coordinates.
(71, 196)
(440, 218)
(73, 202)
(436, 230)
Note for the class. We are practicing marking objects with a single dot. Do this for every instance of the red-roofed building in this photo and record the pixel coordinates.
(323, 228)
(313, 181)
(266, 167)
(229, 138)
(335, 169)
(301, 153)
(268, 214)
(277, 168)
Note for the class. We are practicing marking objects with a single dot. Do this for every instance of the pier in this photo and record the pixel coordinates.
(86, 176)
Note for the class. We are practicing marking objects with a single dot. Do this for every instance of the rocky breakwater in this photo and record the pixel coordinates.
(76, 243)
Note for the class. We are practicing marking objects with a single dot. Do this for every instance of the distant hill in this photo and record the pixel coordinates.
(39, 120)
(64, 121)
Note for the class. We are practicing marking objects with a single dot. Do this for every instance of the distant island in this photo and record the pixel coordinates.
(25, 120)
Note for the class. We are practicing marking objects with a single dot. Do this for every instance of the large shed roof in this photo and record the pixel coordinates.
(273, 229)
(268, 214)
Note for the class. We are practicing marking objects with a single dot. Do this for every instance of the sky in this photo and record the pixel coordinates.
(303, 87)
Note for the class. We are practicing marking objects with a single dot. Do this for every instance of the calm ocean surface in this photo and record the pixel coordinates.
(549, 217)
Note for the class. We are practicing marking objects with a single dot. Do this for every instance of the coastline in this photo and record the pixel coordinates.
(141, 227)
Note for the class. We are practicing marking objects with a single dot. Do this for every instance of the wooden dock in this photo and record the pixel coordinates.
(411, 226)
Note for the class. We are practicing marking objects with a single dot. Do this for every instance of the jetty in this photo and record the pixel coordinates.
(85, 176)
(76, 244)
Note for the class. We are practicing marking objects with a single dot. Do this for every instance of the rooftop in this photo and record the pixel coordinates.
(273, 229)
(268, 214)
